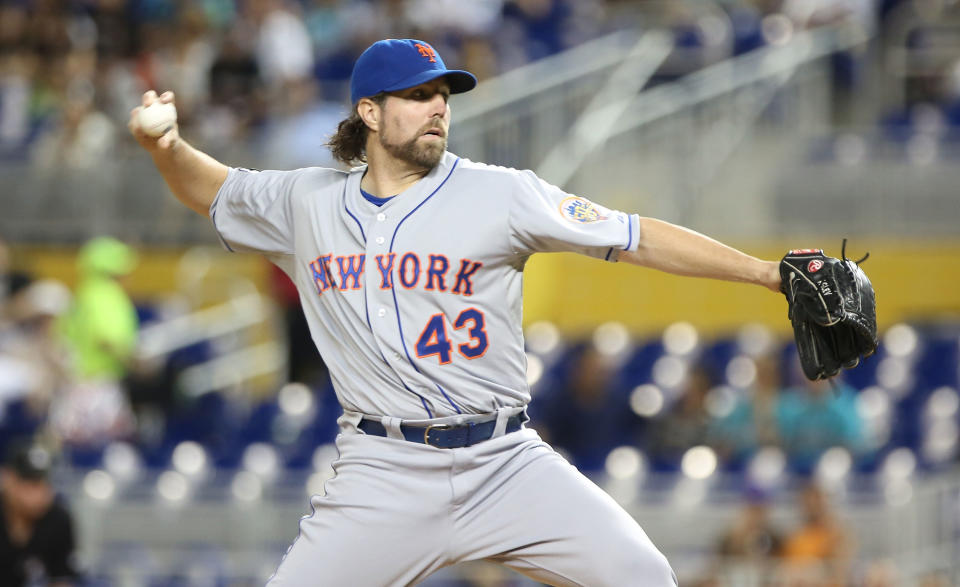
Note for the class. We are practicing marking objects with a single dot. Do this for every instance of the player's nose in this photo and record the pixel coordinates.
(438, 106)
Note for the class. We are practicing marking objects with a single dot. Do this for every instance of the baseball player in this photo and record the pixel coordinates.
(409, 269)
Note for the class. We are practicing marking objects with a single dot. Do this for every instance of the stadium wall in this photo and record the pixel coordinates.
(916, 281)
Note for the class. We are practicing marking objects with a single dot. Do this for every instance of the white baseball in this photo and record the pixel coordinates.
(157, 118)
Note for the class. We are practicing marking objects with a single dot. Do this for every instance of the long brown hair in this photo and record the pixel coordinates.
(349, 144)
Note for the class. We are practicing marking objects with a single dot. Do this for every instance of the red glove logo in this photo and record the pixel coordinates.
(814, 266)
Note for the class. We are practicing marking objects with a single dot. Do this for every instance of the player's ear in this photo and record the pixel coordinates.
(370, 113)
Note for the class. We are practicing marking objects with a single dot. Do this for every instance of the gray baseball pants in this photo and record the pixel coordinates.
(396, 511)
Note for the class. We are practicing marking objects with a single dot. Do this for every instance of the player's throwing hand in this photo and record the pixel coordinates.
(154, 122)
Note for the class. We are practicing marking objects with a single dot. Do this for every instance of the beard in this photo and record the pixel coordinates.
(424, 155)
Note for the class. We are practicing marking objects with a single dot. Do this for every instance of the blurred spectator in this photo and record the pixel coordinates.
(586, 417)
(182, 62)
(686, 424)
(237, 99)
(815, 417)
(479, 17)
(68, 71)
(102, 324)
(11, 280)
(34, 365)
(819, 552)
(752, 424)
(752, 536)
(36, 529)
(538, 25)
(296, 132)
(284, 50)
(750, 548)
(113, 28)
(16, 71)
(479, 57)
(101, 329)
(325, 22)
(84, 137)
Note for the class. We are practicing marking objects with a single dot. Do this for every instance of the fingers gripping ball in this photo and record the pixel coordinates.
(158, 118)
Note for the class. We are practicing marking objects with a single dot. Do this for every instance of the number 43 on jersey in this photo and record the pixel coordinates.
(435, 341)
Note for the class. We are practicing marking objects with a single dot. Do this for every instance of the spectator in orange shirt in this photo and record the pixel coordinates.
(819, 552)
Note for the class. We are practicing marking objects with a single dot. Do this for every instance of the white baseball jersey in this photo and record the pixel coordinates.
(416, 305)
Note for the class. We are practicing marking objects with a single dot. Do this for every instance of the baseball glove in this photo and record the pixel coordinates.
(832, 310)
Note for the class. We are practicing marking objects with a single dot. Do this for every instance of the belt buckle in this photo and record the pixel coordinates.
(426, 431)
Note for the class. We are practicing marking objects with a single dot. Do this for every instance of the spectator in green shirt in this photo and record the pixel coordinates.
(101, 331)
(102, 325)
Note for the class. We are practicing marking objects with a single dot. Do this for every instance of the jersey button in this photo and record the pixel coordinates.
(381, 312)
(380, 240)
(381, 217)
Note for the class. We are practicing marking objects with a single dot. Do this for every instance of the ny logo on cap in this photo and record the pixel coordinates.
(426, 51)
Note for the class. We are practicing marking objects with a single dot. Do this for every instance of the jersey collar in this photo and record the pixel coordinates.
(402, 203)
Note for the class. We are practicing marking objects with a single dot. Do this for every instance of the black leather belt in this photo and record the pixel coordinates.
(446, 435)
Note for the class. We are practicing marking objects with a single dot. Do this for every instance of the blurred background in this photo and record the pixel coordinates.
(186, 418)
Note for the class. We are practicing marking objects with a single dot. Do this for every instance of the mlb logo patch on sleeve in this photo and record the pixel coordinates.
(577, 209)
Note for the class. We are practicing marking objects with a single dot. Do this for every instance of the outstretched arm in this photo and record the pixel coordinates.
(681, 251)
(193, 176)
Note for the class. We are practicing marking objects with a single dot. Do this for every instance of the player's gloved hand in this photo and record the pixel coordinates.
(832, 309)
(151, 143)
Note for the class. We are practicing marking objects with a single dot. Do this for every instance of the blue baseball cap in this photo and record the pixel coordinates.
(398, 64)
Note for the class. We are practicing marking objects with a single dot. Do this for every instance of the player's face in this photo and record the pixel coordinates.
(416, 122)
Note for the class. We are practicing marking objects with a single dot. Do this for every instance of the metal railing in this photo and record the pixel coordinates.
(706, 150)
(246, 349)
(242, 360)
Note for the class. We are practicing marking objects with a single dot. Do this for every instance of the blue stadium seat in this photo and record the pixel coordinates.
(322, 429)
(639, 367)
